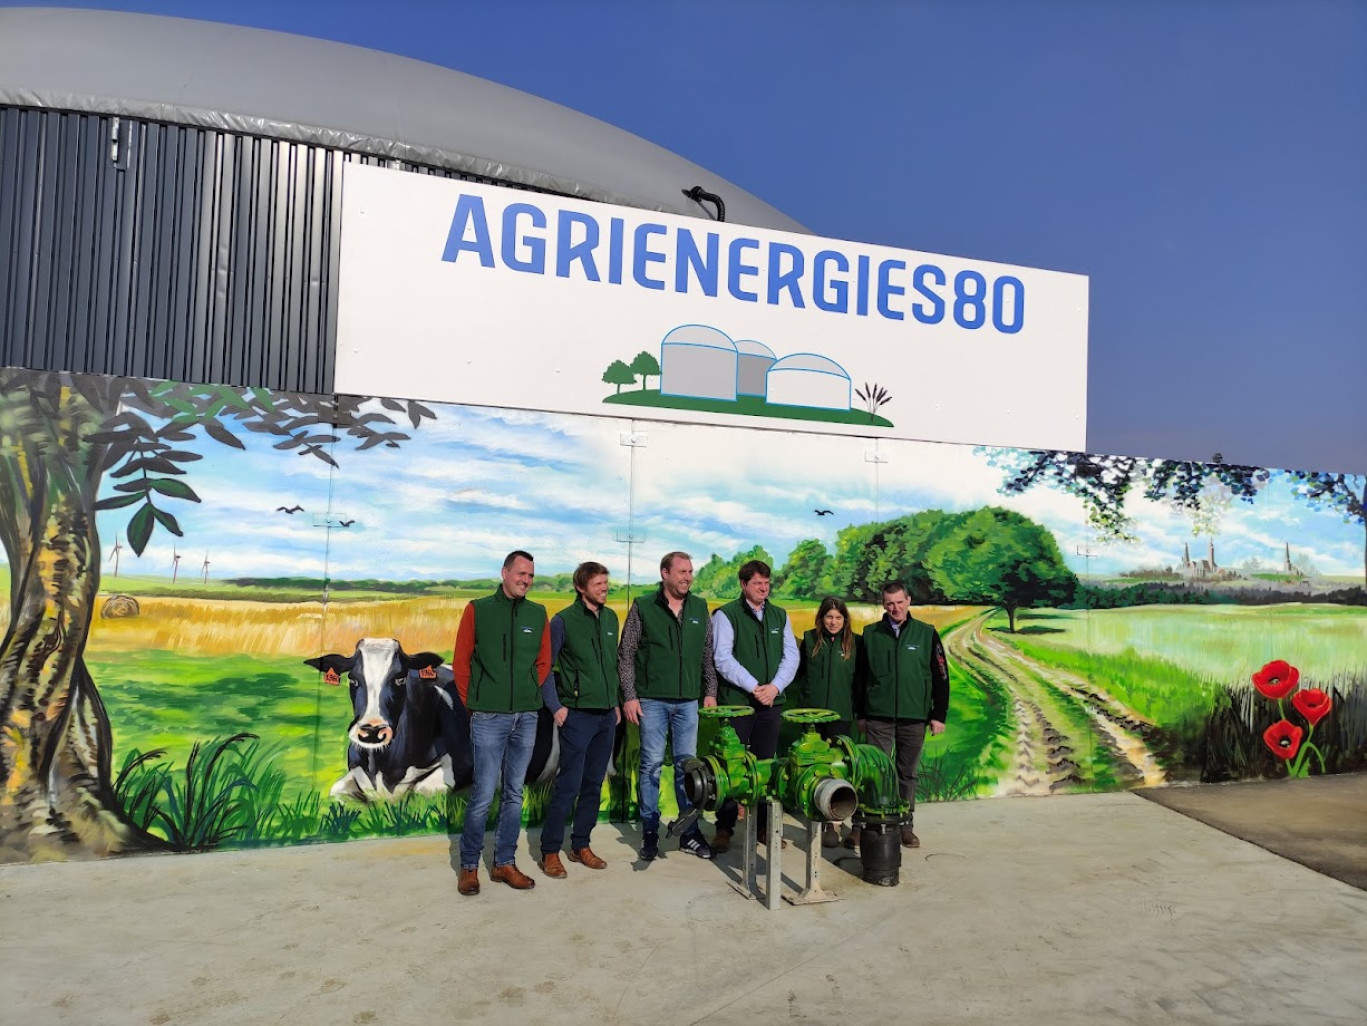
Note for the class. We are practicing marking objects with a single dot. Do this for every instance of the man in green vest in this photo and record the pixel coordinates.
(582, 697)
(757, 659)
(665, 666)
(502, 657)
(903, 690)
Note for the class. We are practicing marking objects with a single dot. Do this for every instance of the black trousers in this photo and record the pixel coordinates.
(759, 733)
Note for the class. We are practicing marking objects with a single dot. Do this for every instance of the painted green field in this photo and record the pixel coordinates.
(240, 669)
(1221, 644)
(1183, 667)
(169, 700)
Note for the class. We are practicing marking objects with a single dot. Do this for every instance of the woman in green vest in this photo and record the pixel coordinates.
(828, 657)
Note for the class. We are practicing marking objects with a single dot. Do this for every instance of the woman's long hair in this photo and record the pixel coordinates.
(846, 634)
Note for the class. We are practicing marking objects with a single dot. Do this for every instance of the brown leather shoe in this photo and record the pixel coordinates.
(585, 857)
(552, 866)
(721, 840)
(513, 877)
(909, 839)
(468, 882)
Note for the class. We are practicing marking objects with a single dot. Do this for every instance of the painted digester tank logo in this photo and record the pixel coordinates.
(702, 368)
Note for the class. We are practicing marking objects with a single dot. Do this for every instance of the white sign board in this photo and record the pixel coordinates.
(457, 292)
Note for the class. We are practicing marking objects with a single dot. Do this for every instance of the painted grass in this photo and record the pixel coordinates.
(745, 406)
(1219, 643)
(1183, 684)
(170, 701)
(192, 670)
(1158, 690)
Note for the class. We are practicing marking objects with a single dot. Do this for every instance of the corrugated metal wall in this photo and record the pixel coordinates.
(164, 251)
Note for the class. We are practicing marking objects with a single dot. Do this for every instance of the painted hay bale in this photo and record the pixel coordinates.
(118, 607)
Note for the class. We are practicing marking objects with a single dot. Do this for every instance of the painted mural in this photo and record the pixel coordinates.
(191, 569)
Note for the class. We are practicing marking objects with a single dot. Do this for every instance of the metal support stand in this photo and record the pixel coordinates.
(773, 863)
(812, 894)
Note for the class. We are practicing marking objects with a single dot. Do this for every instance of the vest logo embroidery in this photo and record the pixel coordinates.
(526, 630)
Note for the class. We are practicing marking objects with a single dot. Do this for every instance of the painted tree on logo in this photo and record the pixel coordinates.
(619, 374)
(646, 366)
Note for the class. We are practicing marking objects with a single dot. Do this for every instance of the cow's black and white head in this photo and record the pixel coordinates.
(378, 671)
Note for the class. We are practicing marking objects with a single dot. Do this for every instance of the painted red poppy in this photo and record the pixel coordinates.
(1313, 704)
(1277, 679)
(1284, 738)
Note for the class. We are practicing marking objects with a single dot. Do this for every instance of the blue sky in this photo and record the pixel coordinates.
(1202, 161)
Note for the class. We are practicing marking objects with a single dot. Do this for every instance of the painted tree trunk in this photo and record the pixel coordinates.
(57, 799)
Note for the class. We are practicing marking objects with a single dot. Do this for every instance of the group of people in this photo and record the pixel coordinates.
(668, 657)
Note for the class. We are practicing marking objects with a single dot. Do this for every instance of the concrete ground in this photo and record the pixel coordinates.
(1320, 822)
(1096, 909)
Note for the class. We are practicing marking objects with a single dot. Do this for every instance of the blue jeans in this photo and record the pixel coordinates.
(677, 718)
(585, 748)
(502, 744)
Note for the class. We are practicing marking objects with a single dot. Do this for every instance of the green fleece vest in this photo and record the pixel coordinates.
(898, 679)
(758, 646)
(827, 677)
(508, 636)
(586, 667)
(669, 656)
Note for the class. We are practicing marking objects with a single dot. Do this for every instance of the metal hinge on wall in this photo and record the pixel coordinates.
(118, 143)
(635, 439)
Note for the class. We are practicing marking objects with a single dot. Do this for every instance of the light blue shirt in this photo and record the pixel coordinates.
(724, 640)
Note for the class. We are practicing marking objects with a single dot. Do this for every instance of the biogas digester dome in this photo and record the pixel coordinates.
(170, 189)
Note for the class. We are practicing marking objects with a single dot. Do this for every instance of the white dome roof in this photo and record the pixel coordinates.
(749, 347)
(810, 362)
(699, 335)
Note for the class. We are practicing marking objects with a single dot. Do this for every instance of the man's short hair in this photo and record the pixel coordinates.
(754, 568)
(514, 556)
(667, 560)
(893, 587)
(586, 572)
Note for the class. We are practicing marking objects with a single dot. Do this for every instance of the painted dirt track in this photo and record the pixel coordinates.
(1068, 733)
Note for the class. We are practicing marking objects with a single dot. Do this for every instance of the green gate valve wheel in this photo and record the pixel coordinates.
(810, 715)
(725, 712)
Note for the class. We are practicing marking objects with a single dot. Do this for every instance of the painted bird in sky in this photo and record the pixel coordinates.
(823, 512)
(289, 509)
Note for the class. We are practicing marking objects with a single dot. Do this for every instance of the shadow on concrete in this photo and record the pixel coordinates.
(1320, 822)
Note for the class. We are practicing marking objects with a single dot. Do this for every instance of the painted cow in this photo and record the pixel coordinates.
(409, 730)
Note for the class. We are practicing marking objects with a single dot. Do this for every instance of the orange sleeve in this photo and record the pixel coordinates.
(543, 657)
(465, 648)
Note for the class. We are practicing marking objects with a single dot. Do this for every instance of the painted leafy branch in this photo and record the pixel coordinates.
(151, 459)
(1105, 483)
